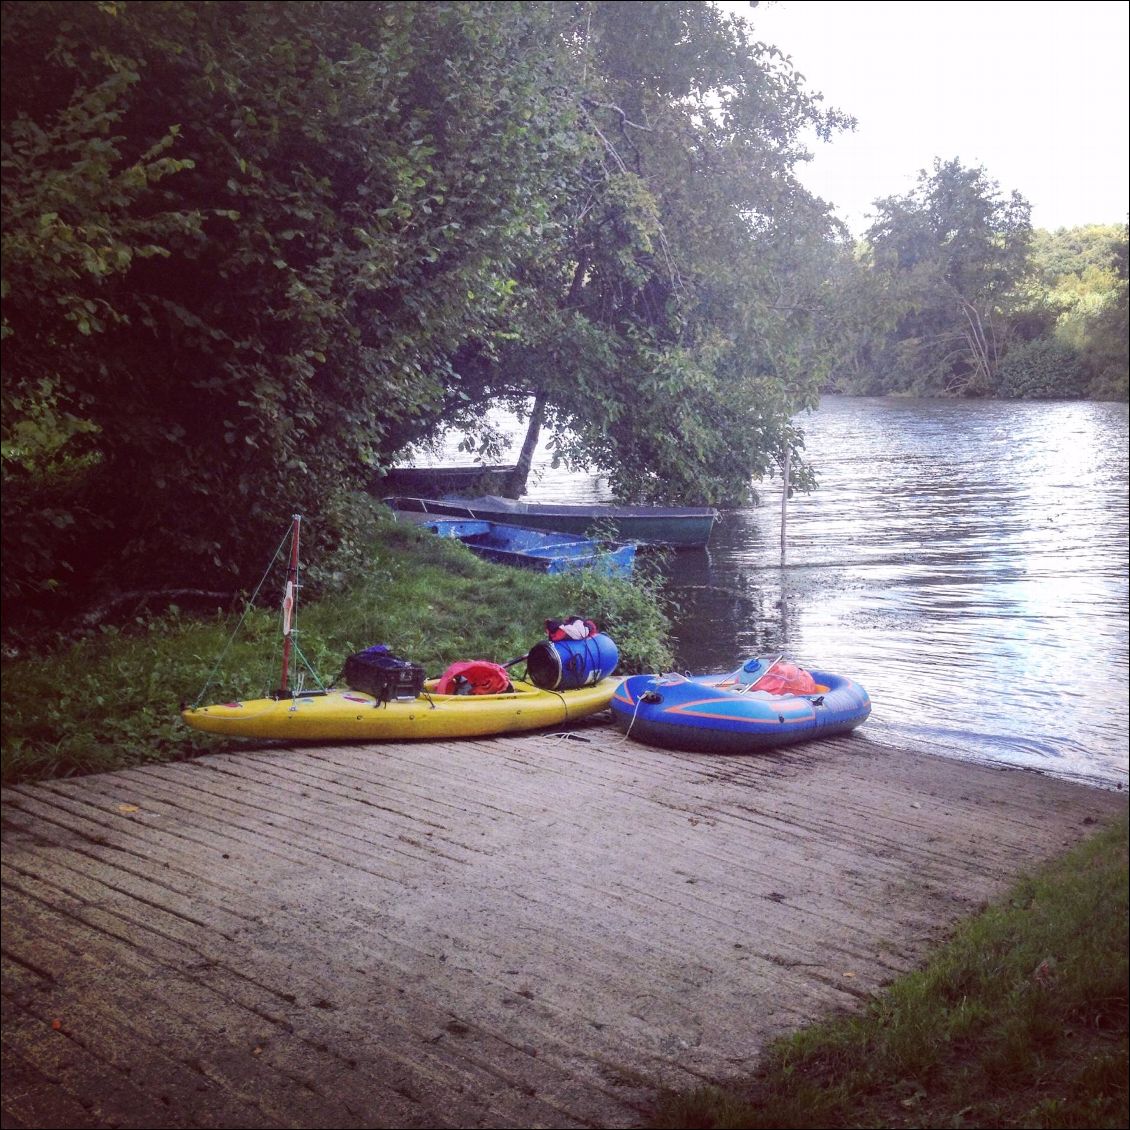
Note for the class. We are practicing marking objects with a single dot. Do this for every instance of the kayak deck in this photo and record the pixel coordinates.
(342, 714)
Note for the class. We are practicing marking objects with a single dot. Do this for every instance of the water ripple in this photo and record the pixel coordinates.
(966, 561)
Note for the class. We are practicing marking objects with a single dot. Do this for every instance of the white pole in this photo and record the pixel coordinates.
(784, 497)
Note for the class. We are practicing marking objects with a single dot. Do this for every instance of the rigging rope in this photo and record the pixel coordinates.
(247, 609)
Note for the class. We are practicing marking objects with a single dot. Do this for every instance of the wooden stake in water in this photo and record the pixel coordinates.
(785, 497)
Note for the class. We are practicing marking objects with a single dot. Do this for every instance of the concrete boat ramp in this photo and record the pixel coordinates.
(536, 931)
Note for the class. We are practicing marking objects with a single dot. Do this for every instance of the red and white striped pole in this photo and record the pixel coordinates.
(290, 602)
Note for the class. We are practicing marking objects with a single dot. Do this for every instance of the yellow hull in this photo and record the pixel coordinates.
(347, 715)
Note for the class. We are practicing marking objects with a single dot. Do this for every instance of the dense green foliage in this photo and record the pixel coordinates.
(1021, 1020)
(1042, 369)
(251, 251)
(951, 253)
(1079, 288)
(110, 699)
(952, 293)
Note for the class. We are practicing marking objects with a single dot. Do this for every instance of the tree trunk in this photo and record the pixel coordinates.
(516, 483)
(979, 346)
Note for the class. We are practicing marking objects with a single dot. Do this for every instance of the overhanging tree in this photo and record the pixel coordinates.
(676, 321)
(252, 250)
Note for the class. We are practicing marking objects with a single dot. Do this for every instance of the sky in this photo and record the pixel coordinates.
(1036, 93)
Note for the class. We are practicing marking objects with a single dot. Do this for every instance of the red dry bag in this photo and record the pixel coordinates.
(474, 676)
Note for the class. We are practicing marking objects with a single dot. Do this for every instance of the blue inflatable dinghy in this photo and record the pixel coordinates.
(727, 713)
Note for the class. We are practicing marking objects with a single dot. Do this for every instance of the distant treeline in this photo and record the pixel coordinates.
(952, 293)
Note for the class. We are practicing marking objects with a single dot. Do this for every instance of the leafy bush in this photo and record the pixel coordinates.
(1044, 369)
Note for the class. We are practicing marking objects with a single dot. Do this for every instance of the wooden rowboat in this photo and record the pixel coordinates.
(683, 527)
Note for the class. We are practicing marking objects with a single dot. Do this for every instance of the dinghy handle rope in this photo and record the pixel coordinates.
(632, 722)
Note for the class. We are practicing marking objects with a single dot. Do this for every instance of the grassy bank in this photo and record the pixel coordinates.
(1020, 1021)
(111, 698)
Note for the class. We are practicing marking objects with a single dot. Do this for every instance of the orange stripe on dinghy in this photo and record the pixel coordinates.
(688, 708)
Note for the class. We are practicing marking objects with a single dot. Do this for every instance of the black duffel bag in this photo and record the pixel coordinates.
(385, 676)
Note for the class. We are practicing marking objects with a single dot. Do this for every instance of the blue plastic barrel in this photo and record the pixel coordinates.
(561, 665)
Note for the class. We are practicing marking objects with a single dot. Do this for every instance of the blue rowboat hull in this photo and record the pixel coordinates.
(542, 550)
(684, 527)
(695, 714)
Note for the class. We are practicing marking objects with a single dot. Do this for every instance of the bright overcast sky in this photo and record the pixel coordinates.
(1037, 93)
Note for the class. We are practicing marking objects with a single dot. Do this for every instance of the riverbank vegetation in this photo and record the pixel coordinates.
(1020, 1020)
(952, 293)
(253, 252)
(109, 696)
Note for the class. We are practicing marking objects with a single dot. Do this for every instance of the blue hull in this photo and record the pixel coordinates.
(694, 714)
(545, 551)
(684, 527)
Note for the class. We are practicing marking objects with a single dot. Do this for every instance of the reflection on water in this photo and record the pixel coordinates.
(965, 561)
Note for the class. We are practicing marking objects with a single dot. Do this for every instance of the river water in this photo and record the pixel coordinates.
(966, 561)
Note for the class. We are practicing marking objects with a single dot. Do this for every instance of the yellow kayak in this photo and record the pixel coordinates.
(348, 715)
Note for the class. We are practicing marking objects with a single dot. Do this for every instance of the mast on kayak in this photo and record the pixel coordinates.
(289, 606)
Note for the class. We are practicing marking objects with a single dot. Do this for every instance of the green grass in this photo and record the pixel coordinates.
(112, 698)
(1019, 1021)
